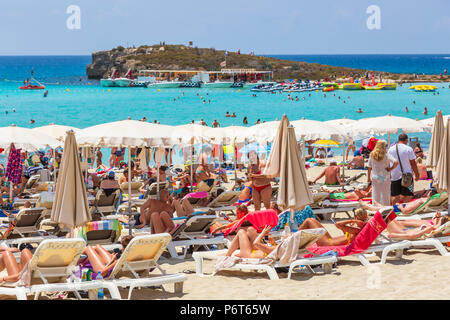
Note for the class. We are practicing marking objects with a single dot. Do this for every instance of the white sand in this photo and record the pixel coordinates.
(420, 274)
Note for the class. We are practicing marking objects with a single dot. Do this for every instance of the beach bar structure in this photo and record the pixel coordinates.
(245, 75)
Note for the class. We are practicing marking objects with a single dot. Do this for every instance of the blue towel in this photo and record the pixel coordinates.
(299, 217)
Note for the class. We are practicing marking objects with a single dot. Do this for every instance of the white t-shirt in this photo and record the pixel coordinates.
(406, 154)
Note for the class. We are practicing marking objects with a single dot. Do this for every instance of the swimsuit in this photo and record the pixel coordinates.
(261, 188)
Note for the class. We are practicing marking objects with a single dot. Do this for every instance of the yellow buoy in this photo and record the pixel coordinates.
(109, 90)
(239, 90)
(159, 90)
(67, 90)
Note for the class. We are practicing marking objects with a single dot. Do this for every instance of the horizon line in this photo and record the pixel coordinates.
(262, 54)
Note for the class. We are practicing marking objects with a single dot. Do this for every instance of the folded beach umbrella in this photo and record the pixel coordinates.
(70, 206)
(285, 161)
(56, 131)
(25, 139)
(443, 165)
(436, 140)
(385, 125)
(312, 129)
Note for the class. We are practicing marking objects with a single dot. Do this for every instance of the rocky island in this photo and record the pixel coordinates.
(176, 57)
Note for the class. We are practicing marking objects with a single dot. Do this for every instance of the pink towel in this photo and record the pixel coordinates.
(258, 219)
(196, 195)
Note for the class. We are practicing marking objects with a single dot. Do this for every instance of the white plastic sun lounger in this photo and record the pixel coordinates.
(142, 254)
(326, 262)
(436, 240)
(194, 232)
(51, 269)
(382, 250)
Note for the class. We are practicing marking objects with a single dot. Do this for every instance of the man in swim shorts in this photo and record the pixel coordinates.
(331, 174)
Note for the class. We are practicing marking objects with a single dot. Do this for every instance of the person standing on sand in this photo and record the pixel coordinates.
(404, 154)
(378, 174)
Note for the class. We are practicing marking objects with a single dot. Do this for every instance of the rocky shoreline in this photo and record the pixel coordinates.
(176, 57)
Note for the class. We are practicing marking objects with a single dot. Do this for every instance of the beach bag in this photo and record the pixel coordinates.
(407, 178)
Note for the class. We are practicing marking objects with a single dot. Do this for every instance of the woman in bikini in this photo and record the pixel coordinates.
(101, 260)
(350, 228)
(262, 189)
(413, 228)
(246, 193)
(250, 244)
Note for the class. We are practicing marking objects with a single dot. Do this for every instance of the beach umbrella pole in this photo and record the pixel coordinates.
(235, 161)
(129, 193)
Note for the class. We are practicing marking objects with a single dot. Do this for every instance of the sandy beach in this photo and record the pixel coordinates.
(419, 274)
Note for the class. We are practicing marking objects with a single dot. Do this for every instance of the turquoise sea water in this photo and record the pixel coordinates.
(75, 103)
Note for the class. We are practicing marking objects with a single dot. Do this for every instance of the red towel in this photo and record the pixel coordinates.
(258, 219)
(361, 242)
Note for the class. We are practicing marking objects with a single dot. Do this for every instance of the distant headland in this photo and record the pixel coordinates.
(176, 57)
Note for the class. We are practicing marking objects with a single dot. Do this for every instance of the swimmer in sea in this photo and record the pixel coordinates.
(32, 121)
(406, 109)
(359, 110)
(425, 111)
(233, 115)
(227, 114)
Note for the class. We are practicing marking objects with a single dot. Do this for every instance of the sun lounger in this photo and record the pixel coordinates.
(106, 205)
(25, 223)
(435, 202)
(364, 244)
(312, 236)
(223, 202)
(194, 232)
(435, 240)
(134, 189)
(101, 232)
(142, 254)
(328, 208)
(51, 269)
(152, 191)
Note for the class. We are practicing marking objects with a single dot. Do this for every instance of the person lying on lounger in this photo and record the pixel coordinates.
(159, 213)
(350, 228)
(404, 208)
(250, 244)
(357, 194)
(101, 260)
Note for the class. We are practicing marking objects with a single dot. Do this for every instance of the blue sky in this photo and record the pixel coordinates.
(30, 27)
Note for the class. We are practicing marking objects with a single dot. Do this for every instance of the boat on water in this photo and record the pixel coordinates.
(351, 86)
(387, 86)
(165, 84)
(109, 82)
(28, 86)
(123, 82)
(423, 88)
(218, 84)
